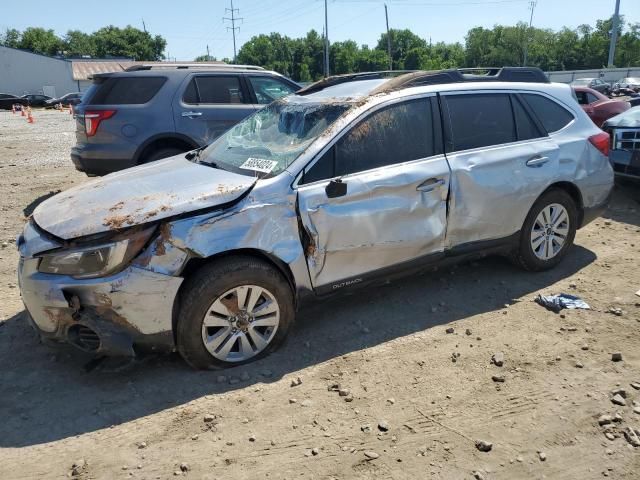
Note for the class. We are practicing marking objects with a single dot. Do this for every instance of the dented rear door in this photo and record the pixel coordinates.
(394, 208)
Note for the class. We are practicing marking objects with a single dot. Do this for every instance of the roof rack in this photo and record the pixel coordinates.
(225, 66)
(415, 78)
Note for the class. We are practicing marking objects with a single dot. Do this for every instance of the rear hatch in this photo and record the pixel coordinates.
(116, 107)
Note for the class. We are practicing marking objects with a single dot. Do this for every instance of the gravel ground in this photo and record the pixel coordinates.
(385, 392)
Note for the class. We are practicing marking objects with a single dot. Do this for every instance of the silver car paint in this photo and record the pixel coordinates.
(142, 194)
(266, 220)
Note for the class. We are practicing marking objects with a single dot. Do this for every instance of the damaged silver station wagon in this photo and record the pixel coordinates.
(352, 179)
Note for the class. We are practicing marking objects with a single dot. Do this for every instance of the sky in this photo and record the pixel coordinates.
(190, 25)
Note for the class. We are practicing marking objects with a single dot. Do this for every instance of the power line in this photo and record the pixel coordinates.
(233, 27)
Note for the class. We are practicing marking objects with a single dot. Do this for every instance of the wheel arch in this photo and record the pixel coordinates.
(196, 263)
(164, 140)
(573, 191)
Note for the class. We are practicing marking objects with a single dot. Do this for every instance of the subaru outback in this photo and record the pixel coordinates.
(151, 112)
(347, 182)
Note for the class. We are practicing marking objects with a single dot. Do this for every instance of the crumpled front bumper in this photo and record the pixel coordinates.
(107, 315)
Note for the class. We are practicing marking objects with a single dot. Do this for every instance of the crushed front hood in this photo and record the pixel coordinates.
(138, 195)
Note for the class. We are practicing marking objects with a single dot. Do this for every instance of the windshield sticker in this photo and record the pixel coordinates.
(259, 165)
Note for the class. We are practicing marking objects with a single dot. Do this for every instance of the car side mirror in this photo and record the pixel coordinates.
(336, 188)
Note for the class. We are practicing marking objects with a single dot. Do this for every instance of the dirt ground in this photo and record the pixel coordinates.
(414, 411)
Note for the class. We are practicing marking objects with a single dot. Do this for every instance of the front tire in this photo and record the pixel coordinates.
(548, 231)
(233, 311)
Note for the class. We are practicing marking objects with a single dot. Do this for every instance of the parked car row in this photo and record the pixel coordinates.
(346, 182)
(628, 83)
(38, 100)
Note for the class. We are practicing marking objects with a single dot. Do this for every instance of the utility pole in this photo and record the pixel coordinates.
(233, 19)
(144, 27)
(326, 40)
(208, 57)
(532, 6)
(614, 35)
(386, 16)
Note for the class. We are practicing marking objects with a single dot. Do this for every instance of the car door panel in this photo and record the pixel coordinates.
(492, 189)
(494, 186)
(205, 122)
(384, 219)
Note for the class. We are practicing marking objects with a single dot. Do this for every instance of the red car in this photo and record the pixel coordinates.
(598, 106)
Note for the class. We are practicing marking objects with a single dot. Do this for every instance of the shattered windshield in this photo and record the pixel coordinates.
(268, 141)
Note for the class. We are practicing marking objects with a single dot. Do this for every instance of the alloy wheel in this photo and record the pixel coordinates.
(549, 232)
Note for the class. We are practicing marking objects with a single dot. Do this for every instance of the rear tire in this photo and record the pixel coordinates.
(548, 231)
(232, 335)
(161, 153)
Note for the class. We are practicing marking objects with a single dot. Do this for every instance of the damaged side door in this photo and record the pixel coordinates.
(376, 197)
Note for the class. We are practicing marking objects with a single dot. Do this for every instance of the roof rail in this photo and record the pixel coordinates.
(349, 77)
(415, 78)
(225, 66)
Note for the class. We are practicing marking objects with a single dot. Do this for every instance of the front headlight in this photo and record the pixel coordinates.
(97, 260)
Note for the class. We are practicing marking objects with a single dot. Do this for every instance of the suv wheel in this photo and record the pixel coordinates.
(548, 231)
(161, 153)
(233, 311)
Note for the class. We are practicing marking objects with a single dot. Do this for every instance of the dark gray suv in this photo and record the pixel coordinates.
(151, 112)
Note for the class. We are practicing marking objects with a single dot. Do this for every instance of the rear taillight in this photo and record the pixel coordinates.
(92, 119)
(601, 142)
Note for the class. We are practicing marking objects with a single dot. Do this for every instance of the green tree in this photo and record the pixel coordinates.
(205, 58)
(129, 42)
(77, 44)
(10, 38)
(39, 40)
(402, 41)
(343, 57)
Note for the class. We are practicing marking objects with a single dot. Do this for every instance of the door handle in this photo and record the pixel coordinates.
(537, 161)
(191, 114)
(430, 185)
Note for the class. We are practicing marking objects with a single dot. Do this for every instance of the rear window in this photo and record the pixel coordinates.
(127, 90)
(553, 116)
(480, 120)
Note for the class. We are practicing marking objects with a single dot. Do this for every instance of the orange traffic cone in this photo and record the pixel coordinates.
(29, 116)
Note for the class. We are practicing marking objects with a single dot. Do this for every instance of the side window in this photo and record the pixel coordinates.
(480, 120)
(212, 89)
(525, 126)
(591, 98)
(396, 134)
(268, 89)
(553, 116)
(582, 98)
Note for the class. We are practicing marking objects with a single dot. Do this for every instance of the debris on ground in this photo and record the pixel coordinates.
(555, 303)
(497, 359)
(484, 446)
(616, 357)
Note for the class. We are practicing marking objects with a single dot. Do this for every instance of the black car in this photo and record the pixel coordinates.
(593, 83)
(36, 100)
(7, 100)
(624, 152)
(73, 98)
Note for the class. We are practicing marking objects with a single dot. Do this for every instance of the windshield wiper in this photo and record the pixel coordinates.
(194, 153)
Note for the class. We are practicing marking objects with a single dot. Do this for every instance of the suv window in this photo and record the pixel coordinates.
(126, 90)
(396, 134)
(480, 120)
(214, 89)
(553, 116)
(268, 89)
(525, 125)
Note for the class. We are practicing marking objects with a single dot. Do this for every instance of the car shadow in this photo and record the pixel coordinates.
(47, 395)
(28, 210)
(625, 202)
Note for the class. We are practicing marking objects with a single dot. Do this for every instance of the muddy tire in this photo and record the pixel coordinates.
(548, 231)
(233, 311)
